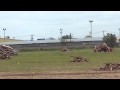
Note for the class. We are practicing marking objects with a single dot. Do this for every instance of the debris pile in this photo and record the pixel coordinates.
(64, 49)
(102, 48)
(6, 51)
(78, 59)
(111, 66)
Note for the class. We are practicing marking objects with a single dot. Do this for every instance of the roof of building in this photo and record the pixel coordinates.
(53, 41)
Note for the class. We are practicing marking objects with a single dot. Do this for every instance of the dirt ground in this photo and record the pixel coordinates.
(62, 75)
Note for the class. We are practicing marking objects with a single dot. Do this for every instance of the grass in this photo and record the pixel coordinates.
(9, 40)
(58, 61)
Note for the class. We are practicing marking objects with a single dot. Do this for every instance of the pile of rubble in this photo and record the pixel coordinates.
(102, 48)
(64, 49)
(111, 66)
(78, 59)
(6, 51)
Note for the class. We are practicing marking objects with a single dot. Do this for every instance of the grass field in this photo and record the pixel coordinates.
(9, 40)
(33, 64)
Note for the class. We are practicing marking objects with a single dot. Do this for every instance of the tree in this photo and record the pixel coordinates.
(51, 38)
(119, 40)
(88, 36)
(66, 37)
(110, 39)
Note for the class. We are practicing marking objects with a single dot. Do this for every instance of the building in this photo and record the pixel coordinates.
(81, 42)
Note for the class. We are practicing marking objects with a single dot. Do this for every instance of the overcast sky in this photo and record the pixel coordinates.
(45, 24)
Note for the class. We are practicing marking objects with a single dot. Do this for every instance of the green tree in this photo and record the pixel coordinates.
(88, 36)
(110, 39)
(51, 38)
(64, 39)
(67, 37)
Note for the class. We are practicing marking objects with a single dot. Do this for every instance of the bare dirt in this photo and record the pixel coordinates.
(62, 75)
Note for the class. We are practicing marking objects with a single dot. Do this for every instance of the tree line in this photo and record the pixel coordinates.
(109, 39)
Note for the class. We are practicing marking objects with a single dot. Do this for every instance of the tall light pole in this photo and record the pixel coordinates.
(61, 33)
(91, 26)
(4, 33)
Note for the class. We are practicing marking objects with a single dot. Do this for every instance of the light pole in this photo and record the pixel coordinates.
(4, 33)
(61, 33)
(91, 26)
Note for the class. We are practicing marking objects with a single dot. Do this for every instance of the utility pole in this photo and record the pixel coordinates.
(32, 37)
(70, 38)
(103, 33)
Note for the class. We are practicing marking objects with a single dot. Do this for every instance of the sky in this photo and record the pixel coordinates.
(45, 24)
